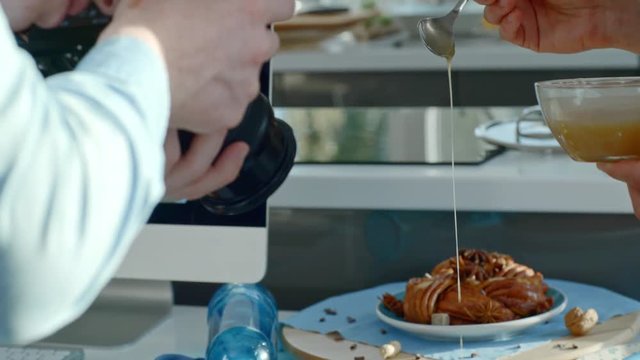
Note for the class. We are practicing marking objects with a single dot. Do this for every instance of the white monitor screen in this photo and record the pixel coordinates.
(186, 242)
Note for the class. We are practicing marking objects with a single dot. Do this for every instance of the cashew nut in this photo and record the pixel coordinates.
(390, 350)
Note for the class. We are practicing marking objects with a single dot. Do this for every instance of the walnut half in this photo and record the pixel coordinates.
(580, 322)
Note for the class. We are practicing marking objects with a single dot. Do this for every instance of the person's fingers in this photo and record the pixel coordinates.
(236, 91)
(171, 150)
(517, 21)
(268, 43)
(511, 29)
(486, 2)
(634, 194)
(495, 13)
(197, 160)
(528, 20)
(224, 171)
(107, 7)
(627, 171)
(279, 10)
(608, 168)
(273, 43)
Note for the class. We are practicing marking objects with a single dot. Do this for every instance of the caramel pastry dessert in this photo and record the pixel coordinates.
(494, 288)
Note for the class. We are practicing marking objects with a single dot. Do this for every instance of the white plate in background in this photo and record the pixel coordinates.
(503, 133)
(533, 134)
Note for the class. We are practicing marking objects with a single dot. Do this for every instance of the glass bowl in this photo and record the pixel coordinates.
(594, 120)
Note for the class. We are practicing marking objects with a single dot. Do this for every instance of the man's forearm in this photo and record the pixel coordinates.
(81, 168)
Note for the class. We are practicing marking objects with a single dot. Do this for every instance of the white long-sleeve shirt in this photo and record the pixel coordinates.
(81, 169)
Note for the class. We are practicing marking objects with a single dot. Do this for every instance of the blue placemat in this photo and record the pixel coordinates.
(356, 320)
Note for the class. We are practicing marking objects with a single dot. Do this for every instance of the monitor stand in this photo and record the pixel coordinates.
(124, 312)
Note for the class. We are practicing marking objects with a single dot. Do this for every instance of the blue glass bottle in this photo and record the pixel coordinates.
(243, 324)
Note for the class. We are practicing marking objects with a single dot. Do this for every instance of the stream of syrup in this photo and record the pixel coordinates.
(453, 177)
(453, 183)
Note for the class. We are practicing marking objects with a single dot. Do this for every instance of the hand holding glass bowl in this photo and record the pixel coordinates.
(598, 120)
(594, 120)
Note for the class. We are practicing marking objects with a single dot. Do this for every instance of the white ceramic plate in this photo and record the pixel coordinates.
(496, 331)
(503, 133)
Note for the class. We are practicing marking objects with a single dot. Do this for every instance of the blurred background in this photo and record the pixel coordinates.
(342, 63)
(367, 53)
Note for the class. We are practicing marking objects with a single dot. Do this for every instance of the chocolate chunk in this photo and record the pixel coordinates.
(471, 356)
(336, 336)
(330, 311)
(565, 346)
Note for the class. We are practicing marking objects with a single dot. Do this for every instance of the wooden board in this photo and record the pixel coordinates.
(615, 331)
(312, 346)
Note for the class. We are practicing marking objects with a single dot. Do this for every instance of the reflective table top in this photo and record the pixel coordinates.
(384, 135)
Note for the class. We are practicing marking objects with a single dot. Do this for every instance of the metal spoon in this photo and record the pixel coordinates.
(437, 32)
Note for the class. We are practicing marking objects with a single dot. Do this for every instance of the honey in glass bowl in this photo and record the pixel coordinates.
(594, 120)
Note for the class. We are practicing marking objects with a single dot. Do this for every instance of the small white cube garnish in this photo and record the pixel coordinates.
(440, 319)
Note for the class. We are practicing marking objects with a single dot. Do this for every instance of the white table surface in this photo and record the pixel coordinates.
(184, 332)
(513, 181)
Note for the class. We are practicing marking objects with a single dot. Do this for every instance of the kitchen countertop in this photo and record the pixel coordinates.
(482, 53)
(513, 181)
